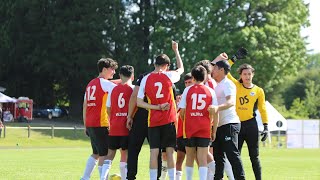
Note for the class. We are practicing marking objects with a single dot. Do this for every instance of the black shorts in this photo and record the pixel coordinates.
(181, 144)
(162, 136)
(197, 142)
(117, 142)
(99, 140)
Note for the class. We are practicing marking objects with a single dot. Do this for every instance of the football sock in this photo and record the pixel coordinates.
(172, 173)
(228, 169)
(91, 163)
(123, 170)
(164, 171)
(178, 175)
(203, 170)
(105, 169)
(212, 166)
(153, 174)
(189, 172)
(210, 174)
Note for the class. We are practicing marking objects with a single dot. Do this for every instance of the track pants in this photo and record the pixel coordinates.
(250, 134)
(227, 142)
(137, 135)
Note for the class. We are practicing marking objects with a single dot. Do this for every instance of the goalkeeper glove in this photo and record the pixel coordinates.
(240, 54)
(264, 133)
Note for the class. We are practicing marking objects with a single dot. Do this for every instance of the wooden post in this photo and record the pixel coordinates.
(75, 132)
(4, 131)
(28, 131)
(52, 132)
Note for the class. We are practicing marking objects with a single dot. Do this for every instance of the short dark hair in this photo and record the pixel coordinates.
(162, 59)
(187, 76)
(206, 64)
(106, 63)
(225, 65)
(126, 70)
(199, 73)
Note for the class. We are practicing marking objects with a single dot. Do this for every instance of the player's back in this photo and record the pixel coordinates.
(158, 89)
(120, 97)
(96, 98)
(197, 121)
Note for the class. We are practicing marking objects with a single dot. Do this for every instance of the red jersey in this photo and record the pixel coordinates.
(118, 101)
(196, 100)
(211, 83)
(180, 125)
(96, 97)
(158, 89)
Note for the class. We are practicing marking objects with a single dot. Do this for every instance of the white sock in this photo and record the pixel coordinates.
(189, 172)
(123, 170)
(210, 174)
(172, 173)
(203, 170)
(212, 166)
(228, 169)
(91, 163)
(153, 174)
(164, 171)
(178, 175)
(100, 170)
(105, 169)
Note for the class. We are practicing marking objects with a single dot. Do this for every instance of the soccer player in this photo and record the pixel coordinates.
(117, 107)
(137, 123)
(210, 82)
(157, 87)
(197, 121)
(181, 148)
(249, 98)
(229, 124)
(95, 117)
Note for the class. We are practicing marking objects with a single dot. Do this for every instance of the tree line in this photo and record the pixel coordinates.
(49, 48)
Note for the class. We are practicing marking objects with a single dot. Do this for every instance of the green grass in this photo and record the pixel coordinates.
(64, 157)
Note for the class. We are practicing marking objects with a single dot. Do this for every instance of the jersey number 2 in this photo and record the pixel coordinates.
(158, 94)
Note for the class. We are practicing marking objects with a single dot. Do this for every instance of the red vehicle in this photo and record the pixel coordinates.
(16, 109)
(24, 108)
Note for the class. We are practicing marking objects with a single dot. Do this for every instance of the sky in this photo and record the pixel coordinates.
(313, 31)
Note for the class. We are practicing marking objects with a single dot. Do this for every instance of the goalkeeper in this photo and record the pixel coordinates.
(249, 98)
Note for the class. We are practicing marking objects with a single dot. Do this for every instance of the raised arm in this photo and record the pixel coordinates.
(175, 48)
(234, 80)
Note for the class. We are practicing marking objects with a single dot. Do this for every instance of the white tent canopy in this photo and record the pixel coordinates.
(4, 98)
(276, 121)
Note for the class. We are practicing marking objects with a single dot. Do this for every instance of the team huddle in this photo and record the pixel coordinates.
(207, 124)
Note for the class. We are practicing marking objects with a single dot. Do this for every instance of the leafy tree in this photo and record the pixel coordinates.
(61, 40)
(312, 99)
(298, 109)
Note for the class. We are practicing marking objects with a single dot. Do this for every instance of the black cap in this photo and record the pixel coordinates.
(223, 64)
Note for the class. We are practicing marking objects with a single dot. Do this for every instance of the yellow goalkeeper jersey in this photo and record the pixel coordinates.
(248, 100)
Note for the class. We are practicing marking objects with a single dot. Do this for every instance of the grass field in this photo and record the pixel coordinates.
(64, 157)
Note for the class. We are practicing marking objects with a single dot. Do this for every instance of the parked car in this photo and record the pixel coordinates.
(50, 112)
